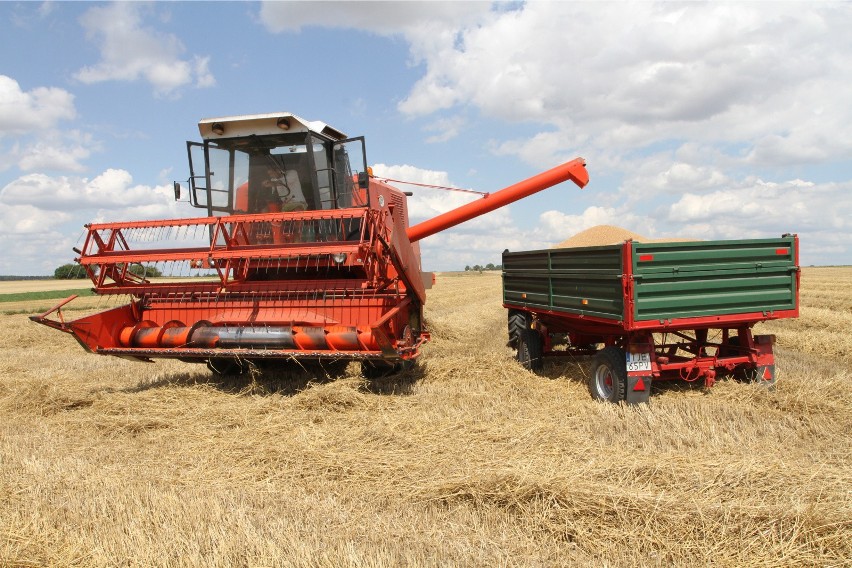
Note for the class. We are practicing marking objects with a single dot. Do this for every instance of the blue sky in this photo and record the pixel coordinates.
(697, 120)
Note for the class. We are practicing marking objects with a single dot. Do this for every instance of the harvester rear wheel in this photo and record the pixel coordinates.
(608, 377)
(530, 350)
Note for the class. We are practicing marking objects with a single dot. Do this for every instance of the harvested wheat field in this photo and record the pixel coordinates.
(467, 461)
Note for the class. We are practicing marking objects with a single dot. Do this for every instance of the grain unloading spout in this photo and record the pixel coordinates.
(575, 170)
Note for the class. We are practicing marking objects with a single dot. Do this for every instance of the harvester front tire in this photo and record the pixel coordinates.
(608, 377)
(222, 367)
(378, 369)
(530, 350)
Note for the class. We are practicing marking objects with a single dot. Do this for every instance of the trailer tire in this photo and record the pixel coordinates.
(518, 321)
(608, 377)
(530, 350)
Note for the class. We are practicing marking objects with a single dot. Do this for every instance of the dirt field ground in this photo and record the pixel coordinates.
(467, 461)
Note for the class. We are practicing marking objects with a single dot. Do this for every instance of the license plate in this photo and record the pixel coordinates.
(638, 361)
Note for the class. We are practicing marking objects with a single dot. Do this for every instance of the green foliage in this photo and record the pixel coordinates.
(145, 271)
(69, 271)
(44, 295)
(479, 268)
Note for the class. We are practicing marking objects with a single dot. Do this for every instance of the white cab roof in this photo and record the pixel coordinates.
(263, 124)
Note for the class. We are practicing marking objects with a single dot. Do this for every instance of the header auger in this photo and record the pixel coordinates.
(302, 254)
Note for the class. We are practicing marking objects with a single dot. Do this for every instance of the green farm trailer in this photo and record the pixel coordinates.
(653, 311)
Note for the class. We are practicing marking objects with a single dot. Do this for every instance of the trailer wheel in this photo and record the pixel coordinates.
(517, 323)
(530, 350)
(608, 378)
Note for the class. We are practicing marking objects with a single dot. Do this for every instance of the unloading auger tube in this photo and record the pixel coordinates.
(331, 282)
(575, 170)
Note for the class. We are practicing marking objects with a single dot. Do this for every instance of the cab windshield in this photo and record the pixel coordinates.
(288, 172)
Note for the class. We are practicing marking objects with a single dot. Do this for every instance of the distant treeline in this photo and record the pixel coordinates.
(478, 268)
(5, 278)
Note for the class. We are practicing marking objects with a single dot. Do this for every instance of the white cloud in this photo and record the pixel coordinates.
(680, 109)
(476, 241)
(203, 76)
(556, 226)
(384, 18)
(446, 129)
(773, 76)
(32, 111)
(39, 252)
(111, 190)
(425, 202)
(30, 119)
(27, 220)
(542, 150)
(131, 51)
(819, 213)
(56, 151)
(667, 175)
(762, 205)
(38, 212)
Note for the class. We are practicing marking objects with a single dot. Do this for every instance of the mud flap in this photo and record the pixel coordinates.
(764, 375)
(638, 389)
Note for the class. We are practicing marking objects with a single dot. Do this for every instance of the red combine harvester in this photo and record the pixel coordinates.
(302, 255)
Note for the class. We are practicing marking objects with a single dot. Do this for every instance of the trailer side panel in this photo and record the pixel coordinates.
(583, 281)
(713, 278)
(657, 282)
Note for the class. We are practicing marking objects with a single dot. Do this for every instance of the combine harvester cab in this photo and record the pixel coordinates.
(302, 254)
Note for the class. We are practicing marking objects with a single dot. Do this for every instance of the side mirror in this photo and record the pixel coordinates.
(177, 191)
(363, 180)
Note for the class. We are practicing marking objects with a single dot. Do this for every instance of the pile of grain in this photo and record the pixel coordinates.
(601, 235)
